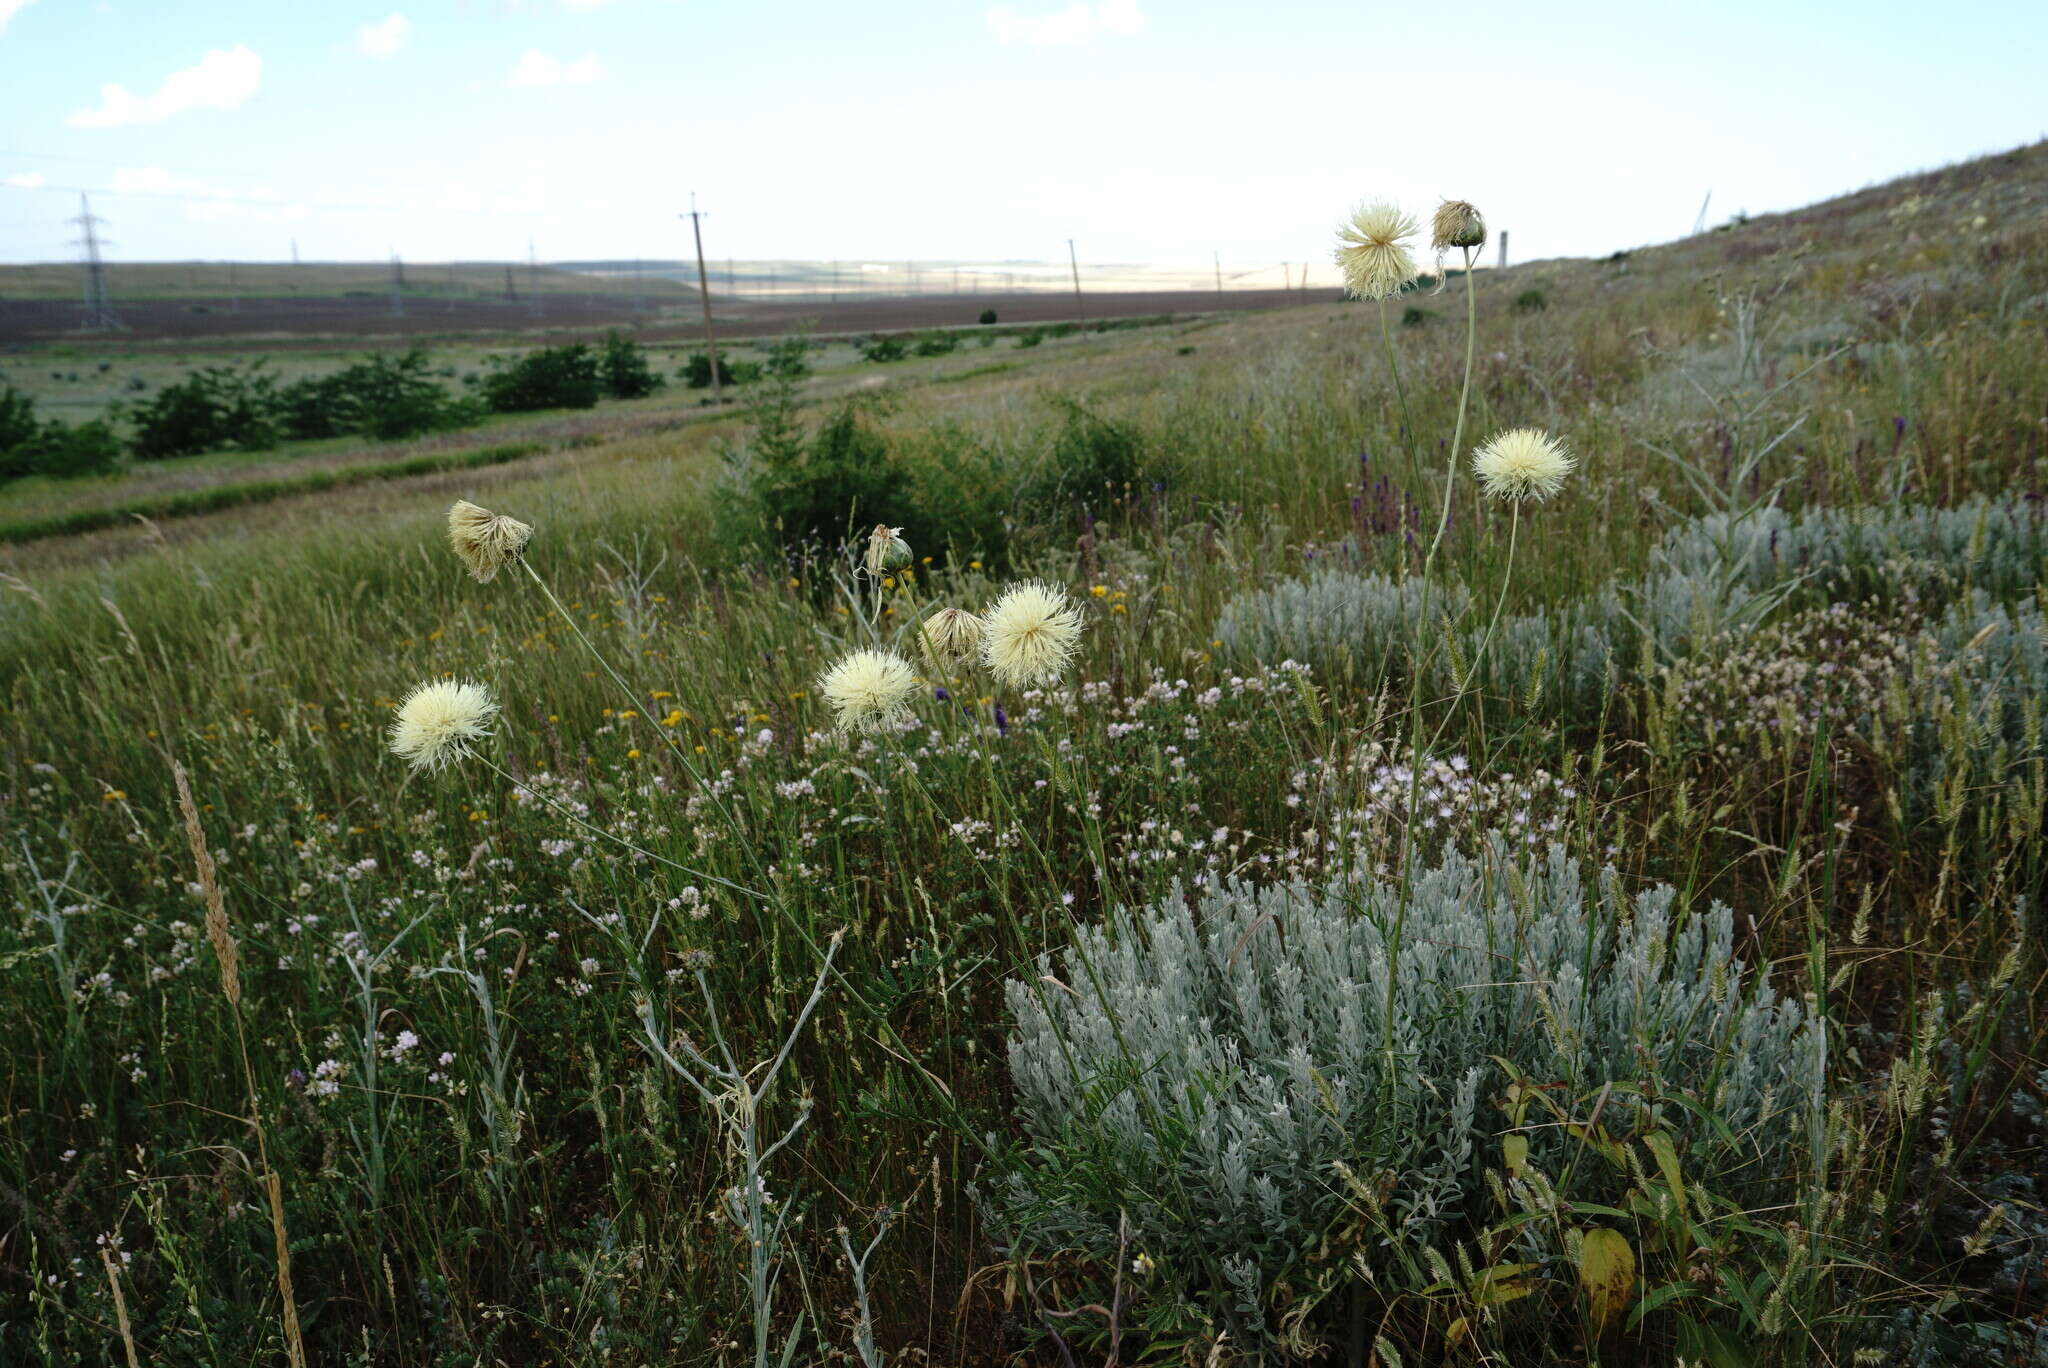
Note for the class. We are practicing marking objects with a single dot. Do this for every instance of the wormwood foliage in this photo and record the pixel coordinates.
(1197, 1078)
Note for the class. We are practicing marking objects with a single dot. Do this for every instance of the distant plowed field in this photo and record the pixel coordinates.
(363, 315)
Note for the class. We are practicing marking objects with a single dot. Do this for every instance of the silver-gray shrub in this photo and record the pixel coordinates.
(1999, 545)
(1202, 1067)
(1340, 623)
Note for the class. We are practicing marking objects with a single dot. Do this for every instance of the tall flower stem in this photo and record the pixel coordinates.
(1464, 397)
(1401, 393)
(675, 746)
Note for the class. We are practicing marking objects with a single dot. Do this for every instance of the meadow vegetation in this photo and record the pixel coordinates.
(1319, 909)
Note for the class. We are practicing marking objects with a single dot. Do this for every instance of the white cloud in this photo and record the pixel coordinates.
(382, 40)
(1075, 24)
(536, 68)
(221, 80)
(10, 8)
(27, 180)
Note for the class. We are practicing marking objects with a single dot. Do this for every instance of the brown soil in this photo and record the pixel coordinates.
(285, 322)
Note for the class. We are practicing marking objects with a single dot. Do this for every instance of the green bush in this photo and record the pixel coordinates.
(1031, 338)
(553, 377)
(18, 423)
(624, 369)
(213, 408)
(1531, 301)
(1094, 459)
(885, 349)
(1412, 317)
(937, 343)
(384, 396)
(988, 316)
(1228, 1080)
(696, 371)
(67, 451)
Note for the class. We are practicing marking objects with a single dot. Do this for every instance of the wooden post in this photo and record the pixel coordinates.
(704, 292)
(1080, 305)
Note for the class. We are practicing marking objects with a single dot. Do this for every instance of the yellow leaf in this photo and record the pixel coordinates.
(1515, 1150)
(1607, 1272)
(1499, 1284)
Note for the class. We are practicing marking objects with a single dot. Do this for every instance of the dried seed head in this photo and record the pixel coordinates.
(1522, 464)
(869, 691)
(438, 722)
(1372, 250)
(1458, 224)
(886, 550)
(484, 540)
(1030, 635)
(952, 638)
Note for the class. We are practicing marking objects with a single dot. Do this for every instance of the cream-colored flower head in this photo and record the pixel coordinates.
(1457, 224)
(952, 638)
(438, 722)
(869, 691)
(1522, 463)
(485, 540)
(1029, 636)
(886, 550)
(1372, 250)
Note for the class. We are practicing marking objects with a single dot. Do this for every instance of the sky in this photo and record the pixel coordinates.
(1150, 131)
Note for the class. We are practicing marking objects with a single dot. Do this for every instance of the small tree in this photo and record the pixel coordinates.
(553, 377)
(623, 366)
(696, 371)
(988, 316)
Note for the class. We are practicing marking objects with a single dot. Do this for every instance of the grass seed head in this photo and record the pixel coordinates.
(1457, 224)
(1372, 250)
(484, 540)
(1029, 637)
(439, 721)
(952, 638)
(869, 691)
(1522, 463)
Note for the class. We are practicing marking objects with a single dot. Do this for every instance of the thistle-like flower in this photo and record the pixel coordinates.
(439, 721)
(952, 638)
(1372, 250)
(484, 540)
(886, 550)
(869, 691)
(1457, 224)
(1522, 463)
(1030, 635)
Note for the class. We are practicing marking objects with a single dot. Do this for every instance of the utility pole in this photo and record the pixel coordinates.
(704, 291)
(540, 308)
(1503, 249)
(835, 282)
(99, 313)
(511, 290)
(295, 251)
(1218, 255)
(1080, 307)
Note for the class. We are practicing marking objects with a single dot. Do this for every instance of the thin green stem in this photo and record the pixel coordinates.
(1401, 393)
(1464, 396)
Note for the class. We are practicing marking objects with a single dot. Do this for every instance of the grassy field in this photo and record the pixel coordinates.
(1608, 937)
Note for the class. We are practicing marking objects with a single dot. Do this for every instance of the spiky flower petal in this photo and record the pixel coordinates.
(869, 691)
(1522, 463)
(1372, 250)
(1030, 635)
(439, 721)
(484, 540)
(952, 638)
(886, 550)
(1457, 224)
